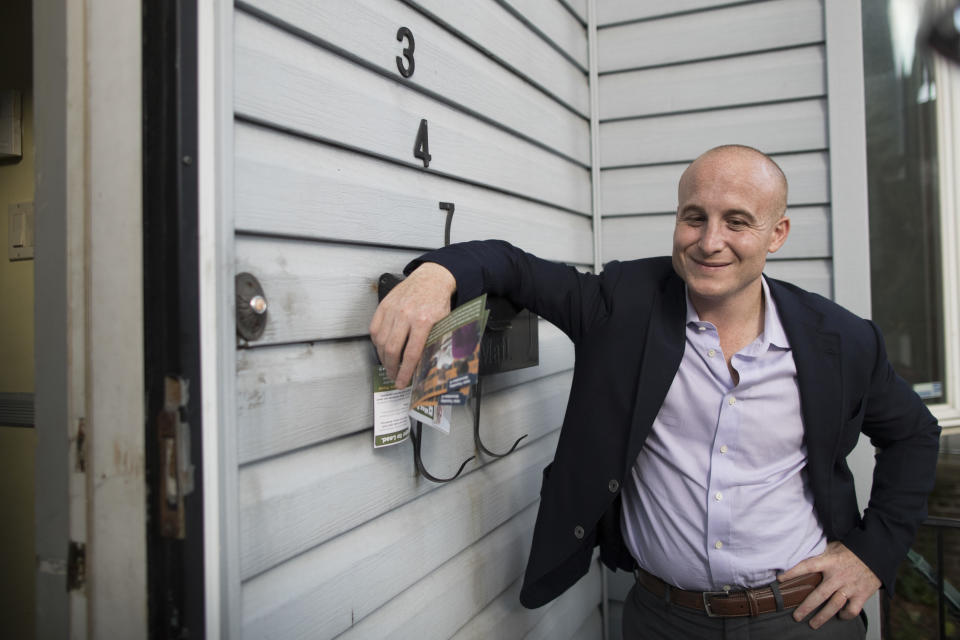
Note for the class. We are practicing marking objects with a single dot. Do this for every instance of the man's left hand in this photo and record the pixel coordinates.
(847, 584)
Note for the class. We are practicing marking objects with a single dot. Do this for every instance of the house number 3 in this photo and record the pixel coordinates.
(406, 70)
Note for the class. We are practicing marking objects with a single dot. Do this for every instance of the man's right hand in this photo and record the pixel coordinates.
(403, 319)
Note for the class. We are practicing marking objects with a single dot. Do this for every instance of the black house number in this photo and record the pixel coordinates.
(406, 70)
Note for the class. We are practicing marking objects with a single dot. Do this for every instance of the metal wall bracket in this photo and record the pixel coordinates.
(251, 306)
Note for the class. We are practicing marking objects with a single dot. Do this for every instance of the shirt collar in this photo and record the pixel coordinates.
(773, 333)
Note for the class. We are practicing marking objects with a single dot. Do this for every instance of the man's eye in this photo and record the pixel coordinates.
(736, 224)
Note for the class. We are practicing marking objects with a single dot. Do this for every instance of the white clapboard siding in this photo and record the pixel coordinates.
(812, 275)
(592, 627)
(786, 127)
(294, 187)
(653, 189)
(629, 237)
(734, 30)
(502, 618)
(287, 507)
(435, 607)
(763, 77)
(558, 25)
(316, 291)
(510, 41)
(295, 85)
(443, 64)
(613, 11)
(569, 611)
(577, 7)
(292, 396)
(331, 587)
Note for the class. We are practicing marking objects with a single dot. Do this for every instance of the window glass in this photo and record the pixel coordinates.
(901, 121)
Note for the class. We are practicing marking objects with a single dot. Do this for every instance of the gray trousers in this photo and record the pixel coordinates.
(647, 617)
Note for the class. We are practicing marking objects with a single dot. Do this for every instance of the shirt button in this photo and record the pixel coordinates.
(719, 496)
(578, 532)
(732, 401)
(718, 544)
(723, 449)
(613, 485)
(712, 352)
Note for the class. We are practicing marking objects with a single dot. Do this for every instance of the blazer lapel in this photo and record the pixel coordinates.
(816, 353)
(662, 354)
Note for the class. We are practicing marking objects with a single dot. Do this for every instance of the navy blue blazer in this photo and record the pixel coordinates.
(627, 325)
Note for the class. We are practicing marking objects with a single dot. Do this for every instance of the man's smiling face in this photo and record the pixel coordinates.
(729, 216)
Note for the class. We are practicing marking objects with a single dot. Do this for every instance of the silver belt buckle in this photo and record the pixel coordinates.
(706, 602)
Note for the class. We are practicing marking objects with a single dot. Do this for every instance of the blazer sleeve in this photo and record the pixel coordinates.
(573, 301)
(906, 436)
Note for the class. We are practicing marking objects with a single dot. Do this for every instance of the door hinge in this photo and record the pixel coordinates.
(176, 470)
(76, 565)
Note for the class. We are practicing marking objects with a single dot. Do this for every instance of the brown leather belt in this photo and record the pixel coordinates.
(734, 604)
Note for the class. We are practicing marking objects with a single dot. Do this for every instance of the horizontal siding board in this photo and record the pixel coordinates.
(578, 7)
(286, 506)
(557, 24)
(444, 64)
(640, 190)
(316, 291)
(750, 79)
(292, 84)
(293, 396)
(290, 186)
(728, 31)
(776, 128)
(504, 617)
(438, 605)
(613, 11)
(591, 628)
(812, 275)
(570, 610)
(626, 238)
(509, 40)
(324, 591)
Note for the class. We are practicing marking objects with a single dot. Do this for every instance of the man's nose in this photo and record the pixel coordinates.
(711, 237)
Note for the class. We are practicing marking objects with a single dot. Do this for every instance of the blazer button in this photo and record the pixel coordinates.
(578, 532)
(613, 485)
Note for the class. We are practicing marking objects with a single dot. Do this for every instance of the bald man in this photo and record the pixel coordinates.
(710, 416)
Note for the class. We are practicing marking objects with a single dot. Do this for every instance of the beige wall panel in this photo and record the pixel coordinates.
(292, 396)
(578, 7)
(295, 85)
(508, 39)
(630, 237)
(734, 30)
(332, 587)
(778, 128)
(763, 77)
(609, 11)
(286, 506)
(438, 605)
(559, 25)
(445, 64)
(654, 189)
(290, 186)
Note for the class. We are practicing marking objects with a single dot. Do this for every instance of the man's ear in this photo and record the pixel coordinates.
(780, 232)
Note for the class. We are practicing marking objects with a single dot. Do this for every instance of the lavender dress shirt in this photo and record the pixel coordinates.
(718, 496)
